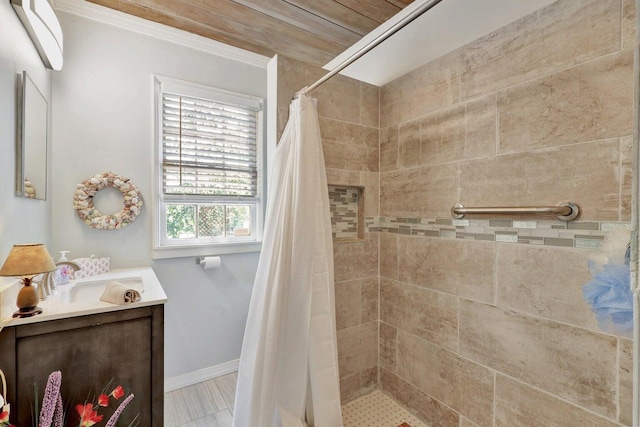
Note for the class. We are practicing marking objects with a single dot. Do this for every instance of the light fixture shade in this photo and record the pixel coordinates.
(27, 260)
(41, 22)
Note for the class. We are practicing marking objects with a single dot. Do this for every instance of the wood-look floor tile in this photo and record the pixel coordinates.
(219, 419)
(216, 395)
(224, 418)
(202, 399)
(169, 403)
(221, 391)
(227, 386)
(178, 407)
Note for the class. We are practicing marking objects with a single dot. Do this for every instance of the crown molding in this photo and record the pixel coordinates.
(160, 31)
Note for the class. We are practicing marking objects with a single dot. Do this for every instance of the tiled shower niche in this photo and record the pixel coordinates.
(347, 219)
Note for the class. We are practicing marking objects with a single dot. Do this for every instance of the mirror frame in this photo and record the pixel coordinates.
(27, 112)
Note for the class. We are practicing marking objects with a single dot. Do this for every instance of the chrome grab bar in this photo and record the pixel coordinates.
(565, 211)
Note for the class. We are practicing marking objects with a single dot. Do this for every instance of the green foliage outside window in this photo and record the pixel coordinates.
(181, 221)
(212, 221)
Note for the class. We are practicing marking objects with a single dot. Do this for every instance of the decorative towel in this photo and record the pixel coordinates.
(91, 266)
(117, 293)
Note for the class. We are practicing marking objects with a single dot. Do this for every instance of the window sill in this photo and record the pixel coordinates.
(205, 250)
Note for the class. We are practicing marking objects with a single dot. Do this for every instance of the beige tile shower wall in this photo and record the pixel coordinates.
(349, 112)
(476, 333)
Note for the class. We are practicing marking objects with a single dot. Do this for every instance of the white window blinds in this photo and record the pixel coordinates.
(209, 148)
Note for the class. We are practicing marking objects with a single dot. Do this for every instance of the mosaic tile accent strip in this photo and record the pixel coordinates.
(344, 203)
(376, 409)
(574, 234)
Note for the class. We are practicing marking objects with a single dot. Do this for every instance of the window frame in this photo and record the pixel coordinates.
(164, 247)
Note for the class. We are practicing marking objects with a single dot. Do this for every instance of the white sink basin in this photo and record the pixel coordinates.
(92, 290)
(82, 297)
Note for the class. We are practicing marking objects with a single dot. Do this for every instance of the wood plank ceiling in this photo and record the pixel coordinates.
(312, 31)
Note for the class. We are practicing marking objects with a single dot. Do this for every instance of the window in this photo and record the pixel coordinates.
(209, 167)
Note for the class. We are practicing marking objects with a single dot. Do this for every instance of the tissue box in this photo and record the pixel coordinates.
(91, 266)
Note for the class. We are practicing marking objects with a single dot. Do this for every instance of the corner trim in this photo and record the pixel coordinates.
(160, 31)
(200, 375)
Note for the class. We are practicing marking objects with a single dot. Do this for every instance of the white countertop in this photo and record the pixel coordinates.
(57, 306)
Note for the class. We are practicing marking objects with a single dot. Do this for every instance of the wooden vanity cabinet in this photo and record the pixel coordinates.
(123, 347)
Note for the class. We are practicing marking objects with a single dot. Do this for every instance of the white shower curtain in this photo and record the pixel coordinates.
(288, 373)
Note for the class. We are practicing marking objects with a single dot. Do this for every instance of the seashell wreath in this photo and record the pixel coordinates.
(83, 201)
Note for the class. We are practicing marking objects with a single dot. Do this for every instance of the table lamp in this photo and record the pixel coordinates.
(27, 261)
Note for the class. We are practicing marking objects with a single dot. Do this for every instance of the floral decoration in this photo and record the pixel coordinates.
(103, 400)
(5, 410)
(88, 416)
(88, 412)
(118, 412)
(52, 414)
(4, 417)
(83, 201)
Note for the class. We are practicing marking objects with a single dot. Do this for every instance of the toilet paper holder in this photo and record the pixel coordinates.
(208, 262)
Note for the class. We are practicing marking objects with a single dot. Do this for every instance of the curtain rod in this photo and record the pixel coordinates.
(369, 46)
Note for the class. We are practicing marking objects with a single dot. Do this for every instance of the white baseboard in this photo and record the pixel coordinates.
(200, 375)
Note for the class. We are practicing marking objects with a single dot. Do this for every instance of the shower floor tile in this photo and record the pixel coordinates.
(376, 409)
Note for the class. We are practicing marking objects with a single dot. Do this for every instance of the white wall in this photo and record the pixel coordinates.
(103, 121)
(21, 220)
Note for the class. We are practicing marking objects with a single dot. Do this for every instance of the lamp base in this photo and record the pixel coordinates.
(27, 312)
(27, 300)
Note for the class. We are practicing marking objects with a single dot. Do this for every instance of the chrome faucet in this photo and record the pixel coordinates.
(48, 284)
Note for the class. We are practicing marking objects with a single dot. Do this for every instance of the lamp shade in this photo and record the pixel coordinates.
(27, 260)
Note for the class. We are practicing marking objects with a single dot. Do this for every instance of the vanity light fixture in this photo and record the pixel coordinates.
(27, 261)
(41, 22)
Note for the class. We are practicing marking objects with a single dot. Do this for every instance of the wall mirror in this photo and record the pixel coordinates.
(31, 140)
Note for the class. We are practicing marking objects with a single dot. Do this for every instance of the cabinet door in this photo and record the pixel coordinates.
(90, 359)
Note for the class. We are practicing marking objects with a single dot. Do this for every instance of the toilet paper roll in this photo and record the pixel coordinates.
(210, 262)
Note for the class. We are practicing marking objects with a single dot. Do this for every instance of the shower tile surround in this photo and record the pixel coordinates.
(589, 235)
(536, 113)
(481, 321)
(345, 204)
(348, 114)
